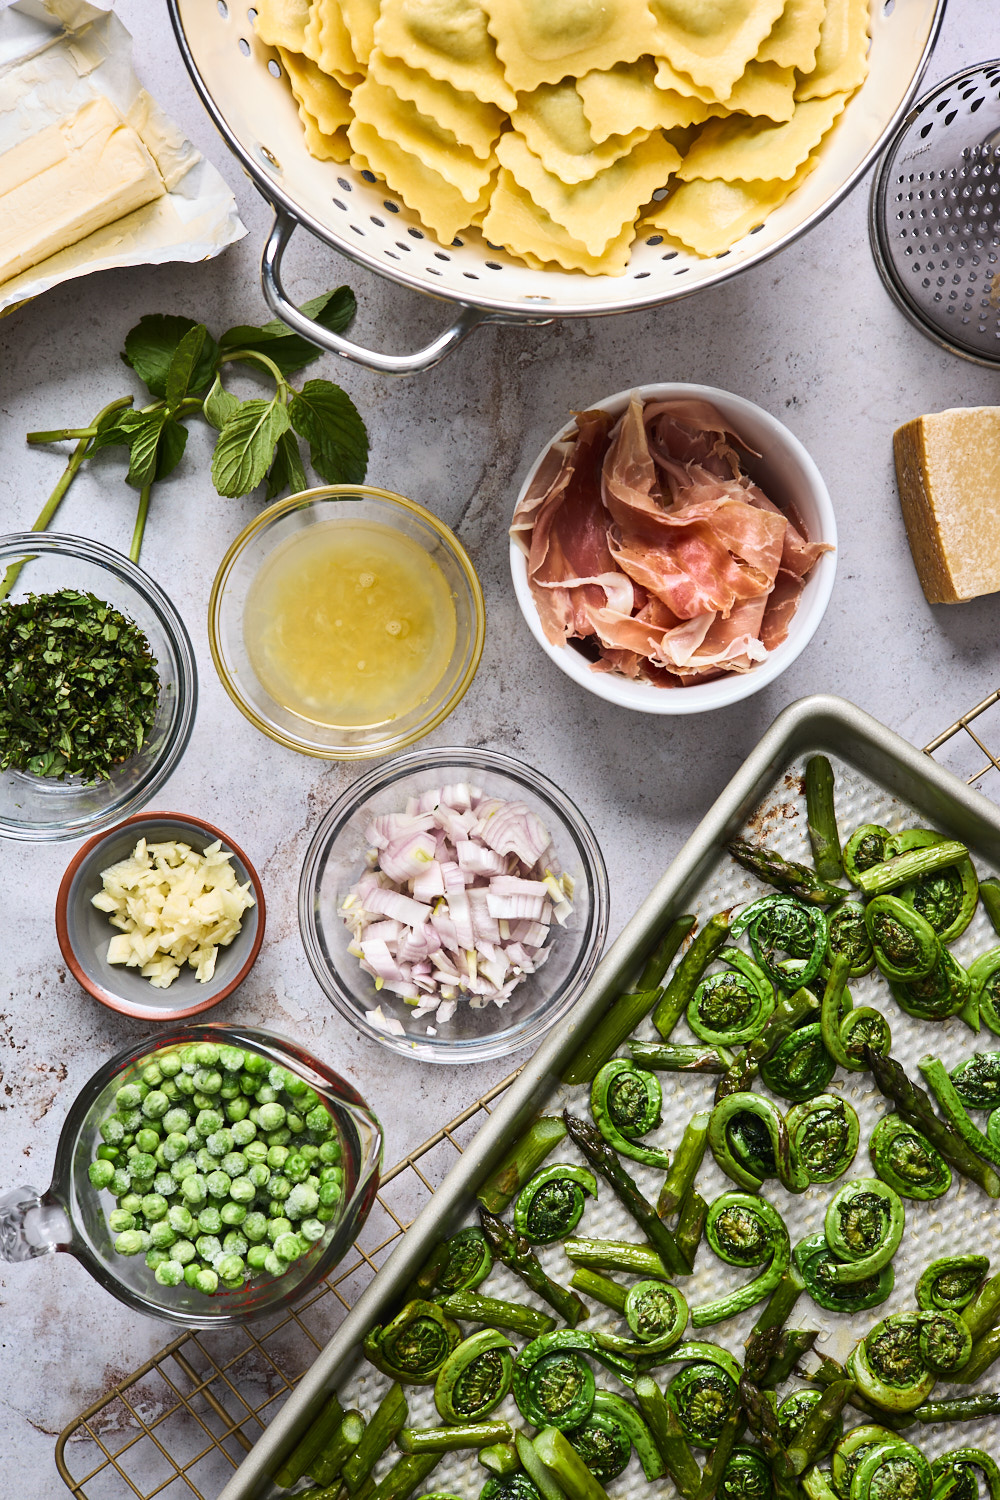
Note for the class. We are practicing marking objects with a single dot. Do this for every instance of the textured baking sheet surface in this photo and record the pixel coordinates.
(962, 1221)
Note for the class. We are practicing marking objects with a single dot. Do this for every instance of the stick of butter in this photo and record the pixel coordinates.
(68, 180)
(948, 471)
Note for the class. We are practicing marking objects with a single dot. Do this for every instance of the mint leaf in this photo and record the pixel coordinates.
(113, 429)
(330, 423)
(333, 310)
(184, 364)
(170, 450)
(151, 345)
(286, 472)
(245, 449)
(219, 405)
(143, 440)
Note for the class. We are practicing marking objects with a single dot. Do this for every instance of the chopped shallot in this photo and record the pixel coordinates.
(457, 901)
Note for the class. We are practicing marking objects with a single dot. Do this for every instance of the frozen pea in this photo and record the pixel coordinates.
(237, 1108)
(280, 1137)
(233, 1213)
(155, 1104)
(128, 1097)
(287, 1246)
(132, 1120)
(191, 1273)
(169, 1087)
(274, 1265)
(329, 1193)
(170, 1273)
(132, 1242)
(120, 1181)
(147, 1140)
(231, 1058)
(206, 1053)
(142, 1166)
(177, 1119)
(119, 1219)
(112, 1130)
(220, 1142)
(277, 1156)
(154, 1207)
(279, 1187)
(175, 1146)
(294, 1122)
(243, 1132)
(254, 1063)
(218, 1184)
(326, 1213)
(276, 1227)
(259, 1174)
(230, 1267)
(201, 1100)
(194, 1190)
(308, 1100)
(183, 1167)
(255, 1227)
(277, 1076)
(101, 1174)
(227, 1093)
(209, 1219)
(185, 1086)
(209, 1247)
(320, 1120)
(184, 1251)
(161, 1235)
(108, 1153)
(155, 1257)
(301, 1201)
(206, 1161)
(207, 1281)
(296, 1168)
(272, 1116)
(179, 1217)
(248, 1086)
(295, 1085)
(234, 1162)
(265, 1094)
(256, 1151)
(208, 1122)
(311, 1230)
(309, 1152)
(242, 1190)
(235, 1243)
(329, 1152)
(151, 1075)
(164, 1183)
(257, 1255)
(208, 1080)
(170, 1064)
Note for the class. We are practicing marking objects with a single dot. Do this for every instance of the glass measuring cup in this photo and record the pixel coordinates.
(72, 1215)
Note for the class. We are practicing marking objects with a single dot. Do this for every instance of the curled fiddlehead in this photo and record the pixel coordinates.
(747, 1476)
(744, 1231)
(812, 1255)
(862, 1030)
(905, 1159)
(945, 1342)
(977, 1080)
(474, 1378)
(414, 1346)
(556, 1389)
(749, 1139)
(733, 1005)
(949, 1284)
(937, 995)
(509, 1487)
(468, 1263)
(551, 1205)
(785, 925)
(863, 1225)
(892, 1471)
(801, 1067)
(702, 1396)
(613, 1428)
(947, 898)
(869, 845)
(851, 1451)
(906, 945)
(625, 1102)
(793, 1414)
(959, 1467)
(887, 1365)
(984, 977)
(656, 1311)
(823, 1134)
(848, 936)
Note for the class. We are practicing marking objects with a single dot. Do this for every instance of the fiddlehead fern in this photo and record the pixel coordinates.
(851, 1451)
(793, 1414)
(801, 1067)
(940, 994)
(556, 1389)
(869, 845)
(747, 1476)
(655, 1311)
(625, 1102)
(702, 1396)
(469, 1262)
(947, 898)
(984, 977)
(847, 936)
(474, 1378)
(945, 1342)
(906, 945)
(887, 1365)
(550, 1206)
(812, 1255)
(731, 1006)
(905, 1159)
(744, 1231)
(749, 1139)
(977, 1080)
(414, 1346)
(960, 1465)
(785, 925)
(950, 1284)
(823, 1135)
(612, 1429)
(863, 1226)
(892, 1471)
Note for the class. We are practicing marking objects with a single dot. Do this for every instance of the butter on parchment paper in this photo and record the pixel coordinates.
(948, 470)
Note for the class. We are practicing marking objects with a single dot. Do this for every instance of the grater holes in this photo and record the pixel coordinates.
(925, 130)
(244, 46)
(976, 104)
(941, 104)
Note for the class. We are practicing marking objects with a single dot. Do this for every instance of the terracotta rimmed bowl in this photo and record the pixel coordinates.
(84, 931)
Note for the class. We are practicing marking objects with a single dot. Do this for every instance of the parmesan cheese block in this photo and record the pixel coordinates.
(68, 180)
(948, 470)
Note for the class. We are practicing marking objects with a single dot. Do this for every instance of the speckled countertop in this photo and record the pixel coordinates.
(810, 335)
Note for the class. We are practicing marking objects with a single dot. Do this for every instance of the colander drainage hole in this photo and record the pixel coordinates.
(343, 183)
(274, 69)
(223, 9)
(244, 46)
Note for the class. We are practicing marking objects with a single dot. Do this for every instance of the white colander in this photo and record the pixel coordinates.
(241, 84)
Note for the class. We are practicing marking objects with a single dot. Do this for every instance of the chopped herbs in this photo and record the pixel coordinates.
(78, 686)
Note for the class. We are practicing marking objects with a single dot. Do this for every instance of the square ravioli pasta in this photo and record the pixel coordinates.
(562, 130)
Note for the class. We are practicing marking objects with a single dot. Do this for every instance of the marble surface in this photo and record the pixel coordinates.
(810, 335)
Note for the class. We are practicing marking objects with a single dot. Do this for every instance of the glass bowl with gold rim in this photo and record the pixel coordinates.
(346, 622)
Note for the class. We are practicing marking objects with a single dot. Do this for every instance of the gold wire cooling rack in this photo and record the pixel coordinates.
(181, 1424)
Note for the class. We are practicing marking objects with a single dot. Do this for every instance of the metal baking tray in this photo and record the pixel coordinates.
(818, 723)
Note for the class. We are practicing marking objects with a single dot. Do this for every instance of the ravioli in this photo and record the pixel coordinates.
(318, 95)
(553, 124)
(741, 150)
(328, 42)
(711, 217)
(795, 37)
(546, 42)
(325, 147)
(471, 122)
(763, 88)
(516, 223)
(712, 40)
(399, 121)
(282, 23)
(624, 98)
(439, 204)
(447, 39)
(359, 18)
(842, 56)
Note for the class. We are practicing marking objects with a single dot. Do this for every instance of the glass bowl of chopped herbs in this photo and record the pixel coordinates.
(97, 687)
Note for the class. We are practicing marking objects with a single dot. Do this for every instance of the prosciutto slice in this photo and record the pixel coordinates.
(648, 540)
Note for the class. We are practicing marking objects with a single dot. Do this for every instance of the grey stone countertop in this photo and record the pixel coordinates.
(810, 335)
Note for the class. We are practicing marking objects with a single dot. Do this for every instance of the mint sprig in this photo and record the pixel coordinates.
(183, 368)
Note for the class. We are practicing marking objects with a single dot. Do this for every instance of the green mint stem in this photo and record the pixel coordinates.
(140, 522)
(284, 389)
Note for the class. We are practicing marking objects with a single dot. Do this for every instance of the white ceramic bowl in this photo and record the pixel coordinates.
(786, 474)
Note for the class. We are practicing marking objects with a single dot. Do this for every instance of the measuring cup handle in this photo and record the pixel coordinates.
(278, 300)
(31, 1224)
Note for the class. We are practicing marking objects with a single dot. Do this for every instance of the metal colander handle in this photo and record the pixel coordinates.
(280, 303)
